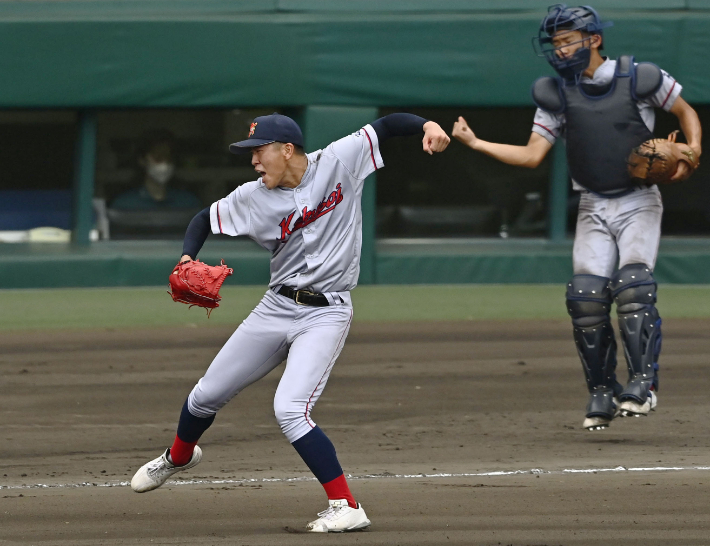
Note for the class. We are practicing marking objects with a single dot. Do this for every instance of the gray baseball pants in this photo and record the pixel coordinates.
(626, 230)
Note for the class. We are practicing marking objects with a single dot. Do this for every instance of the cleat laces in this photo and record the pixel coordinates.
(332, 512)
(156, 469)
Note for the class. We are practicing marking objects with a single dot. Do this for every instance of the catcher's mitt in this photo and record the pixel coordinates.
(197, 283)
(656, 161)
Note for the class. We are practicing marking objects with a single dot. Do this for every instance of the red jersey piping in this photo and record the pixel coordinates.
(372, 153)
(546, 129)
(669, 95)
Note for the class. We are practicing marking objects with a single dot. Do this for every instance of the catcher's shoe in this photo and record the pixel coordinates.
(635, 408)
(602, 408)
(339, 518)
(155, 473)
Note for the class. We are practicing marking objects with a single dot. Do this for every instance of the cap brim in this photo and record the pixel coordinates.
(245, 146)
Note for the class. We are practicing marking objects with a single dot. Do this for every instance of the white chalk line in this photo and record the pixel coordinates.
(388, 476)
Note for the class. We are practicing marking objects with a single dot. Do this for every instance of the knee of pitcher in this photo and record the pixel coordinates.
(285, 416)
(293, 429)
(199, 406)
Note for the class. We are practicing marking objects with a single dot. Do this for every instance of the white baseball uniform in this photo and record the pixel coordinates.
(627, 228)
(314, 233)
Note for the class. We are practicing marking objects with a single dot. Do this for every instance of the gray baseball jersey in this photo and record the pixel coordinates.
(314, 231)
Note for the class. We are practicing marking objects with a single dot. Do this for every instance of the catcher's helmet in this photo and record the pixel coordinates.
(561, 18)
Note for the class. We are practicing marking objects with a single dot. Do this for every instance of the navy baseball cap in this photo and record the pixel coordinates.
(268, 129)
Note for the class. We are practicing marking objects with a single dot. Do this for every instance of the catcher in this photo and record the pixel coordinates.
(605, 111)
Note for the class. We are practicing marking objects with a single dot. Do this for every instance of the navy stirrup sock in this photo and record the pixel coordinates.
(190, 428)
(318, 452)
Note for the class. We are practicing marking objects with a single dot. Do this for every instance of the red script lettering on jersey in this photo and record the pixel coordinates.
(309, 216)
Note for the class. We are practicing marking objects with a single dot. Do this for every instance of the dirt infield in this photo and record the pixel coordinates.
(455, 433)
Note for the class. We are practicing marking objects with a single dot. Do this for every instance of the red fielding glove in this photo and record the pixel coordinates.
(196, 283)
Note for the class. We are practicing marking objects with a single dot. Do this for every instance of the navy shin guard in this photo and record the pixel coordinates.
(634, 291)
(589, 304)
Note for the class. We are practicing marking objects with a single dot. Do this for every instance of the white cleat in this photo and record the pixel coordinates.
(156, 472)
(339, 518)
(631, 408)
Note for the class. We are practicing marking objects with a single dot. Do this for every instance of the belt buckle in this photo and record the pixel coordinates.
(306, 292)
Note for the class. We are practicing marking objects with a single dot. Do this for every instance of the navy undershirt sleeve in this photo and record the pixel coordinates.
(196, 234)
(399, 124)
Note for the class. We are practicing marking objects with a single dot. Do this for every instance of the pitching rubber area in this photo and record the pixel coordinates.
(462, 432)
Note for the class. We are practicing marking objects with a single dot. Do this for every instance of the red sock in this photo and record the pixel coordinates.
(338, 489)
(181, 452)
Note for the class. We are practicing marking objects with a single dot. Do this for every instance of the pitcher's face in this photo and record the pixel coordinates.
(270, 162)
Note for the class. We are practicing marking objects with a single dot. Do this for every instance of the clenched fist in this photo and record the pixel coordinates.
(435, 138)
(462, 132)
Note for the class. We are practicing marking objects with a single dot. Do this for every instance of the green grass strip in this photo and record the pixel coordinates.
(147, 307)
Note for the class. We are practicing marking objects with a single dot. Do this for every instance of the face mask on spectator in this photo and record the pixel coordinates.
(161, 172)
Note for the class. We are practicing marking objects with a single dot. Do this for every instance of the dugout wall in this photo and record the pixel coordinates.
(333, 64)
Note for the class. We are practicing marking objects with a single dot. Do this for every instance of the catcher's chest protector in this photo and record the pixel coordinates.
(603, 123)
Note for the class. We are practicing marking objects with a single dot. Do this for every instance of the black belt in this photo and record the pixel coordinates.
(304, 297)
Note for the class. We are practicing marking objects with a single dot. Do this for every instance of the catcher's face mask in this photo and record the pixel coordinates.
(565, 38)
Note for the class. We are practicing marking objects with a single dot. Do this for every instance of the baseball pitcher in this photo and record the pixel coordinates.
(305, 209)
